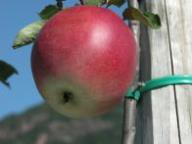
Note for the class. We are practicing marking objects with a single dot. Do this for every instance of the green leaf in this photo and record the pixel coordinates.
(147, 18)
(94, 2)
(6, 70)
(117, 3)
(28, 34)
(153, 19)
(49, 11)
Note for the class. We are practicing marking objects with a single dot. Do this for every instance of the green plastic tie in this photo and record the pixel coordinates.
(159, 83)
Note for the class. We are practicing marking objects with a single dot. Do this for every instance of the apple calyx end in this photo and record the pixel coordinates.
(67, 96)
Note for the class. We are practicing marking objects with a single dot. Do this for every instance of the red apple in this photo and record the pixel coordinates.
(84, 60)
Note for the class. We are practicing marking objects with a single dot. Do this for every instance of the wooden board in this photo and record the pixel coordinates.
(165, 115)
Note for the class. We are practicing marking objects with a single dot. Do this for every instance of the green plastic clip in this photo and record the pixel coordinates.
(159, 83)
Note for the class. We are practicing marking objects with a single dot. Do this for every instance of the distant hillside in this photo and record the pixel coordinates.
(41, 125)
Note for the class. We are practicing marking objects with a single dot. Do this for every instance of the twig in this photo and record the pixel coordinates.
(129, 127)
(129, 118)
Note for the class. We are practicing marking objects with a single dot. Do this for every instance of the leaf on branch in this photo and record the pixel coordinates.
(49, 11)
(28, 34)
(117, 3)
(147, 18)
(6, 70)
(94, 2)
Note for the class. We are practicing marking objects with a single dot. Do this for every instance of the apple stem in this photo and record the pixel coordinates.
(60, 4)
(82, 2)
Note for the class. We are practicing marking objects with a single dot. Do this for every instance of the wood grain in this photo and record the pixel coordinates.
(165, 115)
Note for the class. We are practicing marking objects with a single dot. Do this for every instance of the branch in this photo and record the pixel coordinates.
(129, 117)
(129, 124)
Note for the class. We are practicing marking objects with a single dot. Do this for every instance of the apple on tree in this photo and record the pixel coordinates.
(84, 60)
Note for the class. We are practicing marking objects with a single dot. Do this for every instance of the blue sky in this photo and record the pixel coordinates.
(15, 15)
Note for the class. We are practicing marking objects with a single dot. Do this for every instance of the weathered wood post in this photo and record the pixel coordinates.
(165, 115)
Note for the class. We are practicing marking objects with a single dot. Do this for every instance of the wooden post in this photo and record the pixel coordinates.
(165, 116)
